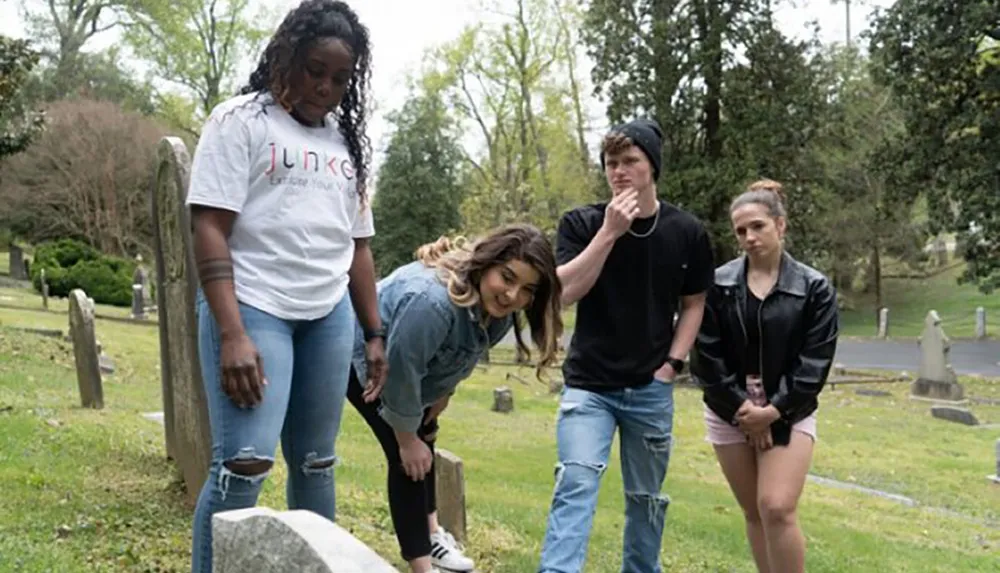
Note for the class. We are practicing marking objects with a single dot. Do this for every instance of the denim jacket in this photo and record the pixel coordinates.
(431, 344)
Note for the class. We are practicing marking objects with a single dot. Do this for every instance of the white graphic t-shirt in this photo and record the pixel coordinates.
(295, 191)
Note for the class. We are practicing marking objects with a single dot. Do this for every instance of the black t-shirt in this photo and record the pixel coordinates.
(753, 334)
(625, 324)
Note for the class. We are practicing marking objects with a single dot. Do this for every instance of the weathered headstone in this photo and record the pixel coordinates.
(18, 270)
(503, 400)
(186, 425)
(45, 290)
(941, 250)
(141, 277)
(85, 353)
(953, 414)
(449, 478)
(995, 478)
(883, 322)
(936, 380)
(138, 306)
(261, 540)
(980, 323)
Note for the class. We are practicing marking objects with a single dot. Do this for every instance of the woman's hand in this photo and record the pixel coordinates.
(761, 441)
(376, 368)
(416, 457)
(242, 371)
(755, 419)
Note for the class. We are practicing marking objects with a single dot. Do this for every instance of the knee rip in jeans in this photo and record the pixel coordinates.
(316, 466)
(656, 504)
(247, 467)
(596, 468)
(658, 444)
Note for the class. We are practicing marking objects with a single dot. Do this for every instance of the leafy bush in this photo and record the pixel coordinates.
(71, 264)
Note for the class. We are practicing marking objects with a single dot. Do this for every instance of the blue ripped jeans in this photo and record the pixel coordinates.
(584, 432)
(306, 364)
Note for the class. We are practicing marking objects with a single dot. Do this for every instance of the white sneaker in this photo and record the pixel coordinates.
(446, 554)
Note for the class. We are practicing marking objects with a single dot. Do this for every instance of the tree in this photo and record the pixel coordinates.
(938, 58)
(868, 217)
(683, 64)
(18, 125)
(68, 25)
(195, 45)
(418, 194)
(506, 80)
(86, 177)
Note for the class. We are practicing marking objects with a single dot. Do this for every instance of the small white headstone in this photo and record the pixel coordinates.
(883, 322)
(980, 323)
(261, 540)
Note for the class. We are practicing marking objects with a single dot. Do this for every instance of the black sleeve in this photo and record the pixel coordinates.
(701, 267)
(708, 357)
(812, 365)
(573, 237)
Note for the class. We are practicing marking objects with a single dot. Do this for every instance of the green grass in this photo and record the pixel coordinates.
(909, 300)
(90, 490)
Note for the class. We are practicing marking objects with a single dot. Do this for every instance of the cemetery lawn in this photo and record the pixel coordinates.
(909, 300)
(91, 491)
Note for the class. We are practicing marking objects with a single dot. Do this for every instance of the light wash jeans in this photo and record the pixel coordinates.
(585, 429)
(306, 364)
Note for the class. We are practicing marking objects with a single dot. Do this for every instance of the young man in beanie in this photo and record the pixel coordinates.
(629, 265)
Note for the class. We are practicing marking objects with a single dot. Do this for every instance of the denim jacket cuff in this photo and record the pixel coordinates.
(401, 422)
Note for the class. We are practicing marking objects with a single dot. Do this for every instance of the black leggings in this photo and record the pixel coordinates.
(410, 502)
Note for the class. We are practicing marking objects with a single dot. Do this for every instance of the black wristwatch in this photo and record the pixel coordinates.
(677, 364)
(377, 333)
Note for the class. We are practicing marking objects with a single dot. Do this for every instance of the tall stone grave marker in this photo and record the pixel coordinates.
(937, 380)
(18, 268)
(449, 489)
(85, 353)
(185, 414)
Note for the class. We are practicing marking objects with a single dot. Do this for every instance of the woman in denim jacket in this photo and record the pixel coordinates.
(763, 354)
(441, 313)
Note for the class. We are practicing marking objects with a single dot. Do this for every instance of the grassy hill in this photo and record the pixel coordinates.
(909, 300)
(91, 491)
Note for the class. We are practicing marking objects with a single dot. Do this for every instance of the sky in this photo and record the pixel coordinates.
(402, 30)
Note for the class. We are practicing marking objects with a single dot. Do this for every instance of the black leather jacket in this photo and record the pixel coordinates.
(799, 328)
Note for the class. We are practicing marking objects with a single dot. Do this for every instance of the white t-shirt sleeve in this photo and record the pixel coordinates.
(220, 170)
(364, 222)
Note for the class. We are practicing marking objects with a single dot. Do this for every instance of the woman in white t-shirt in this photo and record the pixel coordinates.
(281, 234)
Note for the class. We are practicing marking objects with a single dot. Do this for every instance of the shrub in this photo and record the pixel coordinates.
(71, 264)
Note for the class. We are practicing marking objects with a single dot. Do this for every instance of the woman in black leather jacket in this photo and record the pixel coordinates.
(762, 356)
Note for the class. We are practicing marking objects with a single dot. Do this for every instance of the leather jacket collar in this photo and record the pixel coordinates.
(791, 279)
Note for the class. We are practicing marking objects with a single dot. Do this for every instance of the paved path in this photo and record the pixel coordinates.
(967, 357)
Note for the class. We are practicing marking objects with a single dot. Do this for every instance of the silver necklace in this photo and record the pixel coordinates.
(652, 227)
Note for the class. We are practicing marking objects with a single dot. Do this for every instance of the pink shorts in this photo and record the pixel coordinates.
(721, 433)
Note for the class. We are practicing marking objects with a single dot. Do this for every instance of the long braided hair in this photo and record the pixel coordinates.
(312, 20)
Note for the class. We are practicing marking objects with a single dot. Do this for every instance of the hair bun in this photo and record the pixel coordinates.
(769, 186)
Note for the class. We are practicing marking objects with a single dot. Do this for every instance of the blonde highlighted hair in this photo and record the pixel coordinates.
(462, 265)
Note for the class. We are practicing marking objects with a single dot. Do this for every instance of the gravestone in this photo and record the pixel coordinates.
(503, 400)
(138, 305)
(953, 414)
(18, 269)
(883, 322)
(995, 478)
(45, 290)
(141, 277)
(936, 380)
(449, 489)
(873, 393)
(980, 323)
(185, 414)
(85, 353)
(941, 250)
(261, 540)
